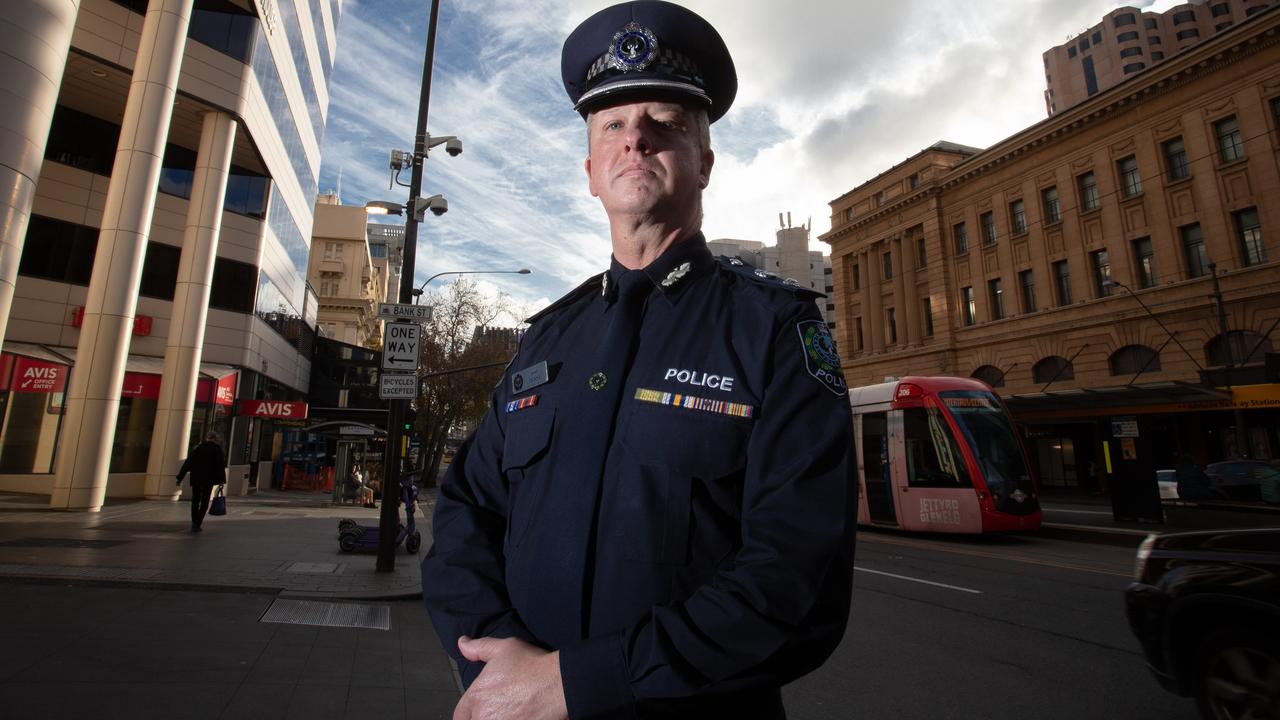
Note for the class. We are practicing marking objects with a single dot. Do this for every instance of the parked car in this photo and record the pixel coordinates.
(1244, 480)
(1206, 607)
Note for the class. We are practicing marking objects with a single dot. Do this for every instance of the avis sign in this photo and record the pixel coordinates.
(400, 347)
(278, 409)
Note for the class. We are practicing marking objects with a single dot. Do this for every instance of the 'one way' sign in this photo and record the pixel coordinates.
(400, 347)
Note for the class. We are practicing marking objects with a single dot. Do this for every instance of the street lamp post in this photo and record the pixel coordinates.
(417, 292)
(1153, 316)
(388, 519)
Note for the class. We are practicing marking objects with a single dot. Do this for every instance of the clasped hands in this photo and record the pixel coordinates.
(519, 680)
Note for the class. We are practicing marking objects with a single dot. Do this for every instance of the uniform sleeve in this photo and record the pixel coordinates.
(779, 607)
(463, 574)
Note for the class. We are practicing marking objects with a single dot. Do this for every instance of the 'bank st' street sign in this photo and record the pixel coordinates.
(400, 345)
(403, 311)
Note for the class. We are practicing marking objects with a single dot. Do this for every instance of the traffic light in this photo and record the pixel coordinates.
(410, 415)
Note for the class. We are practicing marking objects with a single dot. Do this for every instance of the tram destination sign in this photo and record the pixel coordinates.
(400, 345)
(403, 311)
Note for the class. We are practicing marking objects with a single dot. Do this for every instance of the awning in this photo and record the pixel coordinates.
(1149, 397)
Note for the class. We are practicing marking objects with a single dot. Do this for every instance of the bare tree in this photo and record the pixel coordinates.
(462, 359)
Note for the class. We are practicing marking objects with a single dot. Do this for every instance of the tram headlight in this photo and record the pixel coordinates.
(1144, 553)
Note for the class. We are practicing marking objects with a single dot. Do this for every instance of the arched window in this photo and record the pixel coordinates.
(1131, 359)
(990, 375)
(1051, 369)
(1236, 344)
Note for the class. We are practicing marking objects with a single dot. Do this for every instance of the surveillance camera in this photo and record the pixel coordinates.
(438, 205)
(453, 147)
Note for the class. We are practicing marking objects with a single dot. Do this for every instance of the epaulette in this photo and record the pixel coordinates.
(592, 284)
(764, 277)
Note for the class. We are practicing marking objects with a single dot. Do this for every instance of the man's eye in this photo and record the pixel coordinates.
(613, 125)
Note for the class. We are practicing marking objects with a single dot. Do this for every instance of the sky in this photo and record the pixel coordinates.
(830, 94)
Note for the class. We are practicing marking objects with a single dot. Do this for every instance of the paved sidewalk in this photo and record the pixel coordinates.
(271, 541)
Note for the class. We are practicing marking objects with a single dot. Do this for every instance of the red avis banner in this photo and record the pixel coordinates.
(219, 392)
(38, 376)
(140, 385)
(278, 409)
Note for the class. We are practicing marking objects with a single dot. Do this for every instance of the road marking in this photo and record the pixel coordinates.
(925, 545)
(1080, 512)
(918, 580)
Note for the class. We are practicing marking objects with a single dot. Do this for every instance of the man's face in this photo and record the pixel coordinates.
(646, 158)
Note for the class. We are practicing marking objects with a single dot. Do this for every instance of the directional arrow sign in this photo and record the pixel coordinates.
(403, 311)
(400, 347)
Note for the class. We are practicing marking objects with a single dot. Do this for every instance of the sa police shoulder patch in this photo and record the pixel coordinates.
(820, 356)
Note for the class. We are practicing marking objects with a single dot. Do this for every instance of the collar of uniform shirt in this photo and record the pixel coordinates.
(692, 251)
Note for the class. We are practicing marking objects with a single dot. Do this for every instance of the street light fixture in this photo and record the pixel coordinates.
(417, 292)
(437, 204)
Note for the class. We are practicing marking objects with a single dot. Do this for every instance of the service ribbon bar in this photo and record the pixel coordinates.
(690, 402)
(522, 403)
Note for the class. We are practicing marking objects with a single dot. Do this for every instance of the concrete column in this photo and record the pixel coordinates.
(37, 38)
(900, 289)
(864, 295)
(912, 322)
(93, 398)
(174, 410)
(875, 310)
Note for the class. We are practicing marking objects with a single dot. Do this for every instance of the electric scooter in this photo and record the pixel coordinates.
(353, 536)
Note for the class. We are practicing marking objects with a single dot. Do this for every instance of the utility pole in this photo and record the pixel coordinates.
(1242, 432)
(389, 516)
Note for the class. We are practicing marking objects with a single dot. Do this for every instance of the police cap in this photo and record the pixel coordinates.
(647, 48)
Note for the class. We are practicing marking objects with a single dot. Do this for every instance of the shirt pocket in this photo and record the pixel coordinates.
(524, 449)
(679, 495)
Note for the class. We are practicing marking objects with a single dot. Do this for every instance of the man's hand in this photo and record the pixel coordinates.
(519, 681)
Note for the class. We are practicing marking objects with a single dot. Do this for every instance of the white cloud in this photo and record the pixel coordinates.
(830, 95)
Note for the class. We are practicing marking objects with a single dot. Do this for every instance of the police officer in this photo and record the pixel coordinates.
(655, 518)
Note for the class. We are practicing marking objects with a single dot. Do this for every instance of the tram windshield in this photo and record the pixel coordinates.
(989, 434)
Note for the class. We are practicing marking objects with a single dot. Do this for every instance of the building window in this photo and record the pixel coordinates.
(1130, 181)
(1134, 359)
(879, 198)
(1101, 263)
(1145, 260)
(1222, 26)
(1127, 36)
(1052, 211)
(1018, 217)
(1097, 37)
(1134, 67)
(1230, 147)
(1130, 52)
(1193, 250)
(988, 221)
(1088, 186)
(914, 181)
(1175, 159)
(1052, 369)
(333, 251)
(926, 312)
(961, 238)
(1154, 40)
(1027, 282)
(1125, 19)
(1219, 9)
(58, 250)
(968, 308)
(888, 266)
(1149, 23)
(1090, 77)
(1157, 55)
(1254, 10)
(857, 333)
(990, 375)
(1185, 16)
(996, 292)
(1071, 51)
(1236, 348)
(848, 214)
(160, 271)
(1249, 231)
(1188, 34)
(890, 326)
(922, 256)
(1062, 282)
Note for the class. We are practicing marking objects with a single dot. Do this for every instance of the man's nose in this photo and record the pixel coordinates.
(637, 137)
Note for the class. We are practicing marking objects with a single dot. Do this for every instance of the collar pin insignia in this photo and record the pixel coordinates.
(604, 284)
(674, 276)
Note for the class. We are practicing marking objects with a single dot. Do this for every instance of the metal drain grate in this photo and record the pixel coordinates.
(38, 542)
(327, 614)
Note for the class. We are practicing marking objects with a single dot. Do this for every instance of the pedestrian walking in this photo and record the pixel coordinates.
(207, 465)
(655, 517)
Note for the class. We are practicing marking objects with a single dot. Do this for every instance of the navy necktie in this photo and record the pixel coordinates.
(589, 427)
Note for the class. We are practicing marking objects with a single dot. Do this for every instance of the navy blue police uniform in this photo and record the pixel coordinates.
(662, 489)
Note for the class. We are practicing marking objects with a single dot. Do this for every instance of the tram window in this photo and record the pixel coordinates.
(874, 426)
(933, 457)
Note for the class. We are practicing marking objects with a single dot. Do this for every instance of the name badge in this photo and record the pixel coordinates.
(530, 377)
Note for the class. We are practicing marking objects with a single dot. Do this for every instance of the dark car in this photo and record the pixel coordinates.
(1206, 608)
(1244, 480)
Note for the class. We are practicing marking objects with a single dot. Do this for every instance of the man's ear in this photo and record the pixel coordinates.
(704, 172)
(591, 185)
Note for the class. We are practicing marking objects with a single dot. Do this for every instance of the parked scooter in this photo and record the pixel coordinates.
(353, 536)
